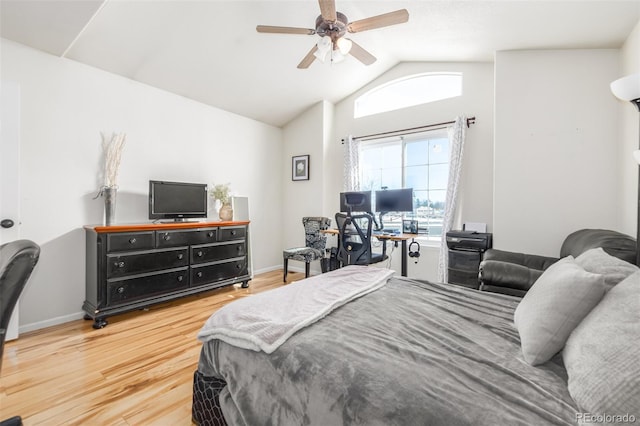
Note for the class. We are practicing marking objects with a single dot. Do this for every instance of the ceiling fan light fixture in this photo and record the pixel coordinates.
(332, 26)
(324, 48)
(344, 45)
(336, 56)
(320, 55)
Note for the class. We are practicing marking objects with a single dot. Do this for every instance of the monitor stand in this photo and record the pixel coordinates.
(381, 226)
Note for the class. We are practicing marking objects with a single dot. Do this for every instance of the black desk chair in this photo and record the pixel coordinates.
(354, 241)
(17, 260)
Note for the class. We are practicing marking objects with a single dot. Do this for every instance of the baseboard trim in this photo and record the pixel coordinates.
(50, 322)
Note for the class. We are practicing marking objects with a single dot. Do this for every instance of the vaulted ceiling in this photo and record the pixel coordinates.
(209, 50)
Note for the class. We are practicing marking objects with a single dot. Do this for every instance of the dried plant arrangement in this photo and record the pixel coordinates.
(112, 148)
(220, 192)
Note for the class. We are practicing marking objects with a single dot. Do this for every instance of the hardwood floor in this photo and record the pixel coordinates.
(136, 371)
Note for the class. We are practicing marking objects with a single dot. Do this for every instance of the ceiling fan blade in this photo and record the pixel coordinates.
(307, 60)
(392, 18)
(284, 30)
(360, 54)
(328, 9)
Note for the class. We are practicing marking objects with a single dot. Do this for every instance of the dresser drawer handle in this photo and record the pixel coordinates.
(132, 240)
(119, 264)
(239, 248)
(238, 266)
(180, 256)
(233, 232)
(199, 274)
(200, 253)
(210, 234)
(180, 278)
(120, 290)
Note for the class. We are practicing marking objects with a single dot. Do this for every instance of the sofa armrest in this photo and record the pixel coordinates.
(496, 273)
(527, 260)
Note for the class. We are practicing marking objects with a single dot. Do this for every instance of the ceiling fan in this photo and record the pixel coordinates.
(332, 26)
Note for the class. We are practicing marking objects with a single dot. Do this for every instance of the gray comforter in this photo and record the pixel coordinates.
(410, 353)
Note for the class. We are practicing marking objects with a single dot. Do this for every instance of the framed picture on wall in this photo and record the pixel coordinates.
(300, 167)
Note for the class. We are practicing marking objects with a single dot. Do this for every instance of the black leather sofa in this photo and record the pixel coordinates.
(514, 273)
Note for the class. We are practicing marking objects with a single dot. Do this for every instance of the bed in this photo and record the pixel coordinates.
(407, 352)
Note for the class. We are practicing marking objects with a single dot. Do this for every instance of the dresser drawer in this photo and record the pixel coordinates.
(218, 271)
(143, 287)
(228, 233)
(220, 251)
(130, 241)
(120, 265)
(185, 238)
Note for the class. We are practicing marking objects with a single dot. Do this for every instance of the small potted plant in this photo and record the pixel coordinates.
(221, 192)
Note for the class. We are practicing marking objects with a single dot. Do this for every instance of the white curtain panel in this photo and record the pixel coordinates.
(457, 135)
(351, 164)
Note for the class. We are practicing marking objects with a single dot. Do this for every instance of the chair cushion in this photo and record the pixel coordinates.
(602, 353)
(557, 302)
(303, 254)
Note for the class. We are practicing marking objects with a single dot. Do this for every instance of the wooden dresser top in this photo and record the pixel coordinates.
(161, 226)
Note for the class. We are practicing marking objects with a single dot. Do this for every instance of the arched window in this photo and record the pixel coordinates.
(409, 91)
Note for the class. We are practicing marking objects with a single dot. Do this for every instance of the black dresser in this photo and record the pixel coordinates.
(466, 249)
(133, 266)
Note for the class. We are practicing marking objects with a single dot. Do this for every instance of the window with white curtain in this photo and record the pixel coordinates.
(419, 161)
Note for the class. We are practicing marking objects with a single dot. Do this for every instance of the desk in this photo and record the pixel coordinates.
(387, 237)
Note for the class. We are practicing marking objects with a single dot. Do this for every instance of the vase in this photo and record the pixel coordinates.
(109, 194)
(226, 212)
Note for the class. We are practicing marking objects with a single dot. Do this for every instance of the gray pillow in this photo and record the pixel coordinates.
(555, 304)
(599, 261)
(602, 355)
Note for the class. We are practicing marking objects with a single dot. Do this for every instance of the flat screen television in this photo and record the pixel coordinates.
(355, 201)
(177, 200)
(394, 200)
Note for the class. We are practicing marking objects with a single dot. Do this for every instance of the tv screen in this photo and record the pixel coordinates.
(394, 200)
(355, 201)
(177, 200)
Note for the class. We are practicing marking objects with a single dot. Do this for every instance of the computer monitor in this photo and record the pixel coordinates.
(394, 200)
(355, 201)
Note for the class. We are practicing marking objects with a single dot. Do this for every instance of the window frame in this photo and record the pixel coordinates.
(404, 141)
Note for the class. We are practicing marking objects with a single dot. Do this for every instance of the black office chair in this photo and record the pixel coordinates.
(354, 240)
(17, 260)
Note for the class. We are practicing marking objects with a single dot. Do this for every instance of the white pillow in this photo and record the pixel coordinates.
(602, 355)
(599, 261)
(555, 304)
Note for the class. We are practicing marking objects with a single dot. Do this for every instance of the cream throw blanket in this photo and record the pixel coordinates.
(266, 320)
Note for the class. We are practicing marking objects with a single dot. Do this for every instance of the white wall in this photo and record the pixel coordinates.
(303, 136)
(628, 135)
(476, 185)
(65, 106)
(556, 157)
